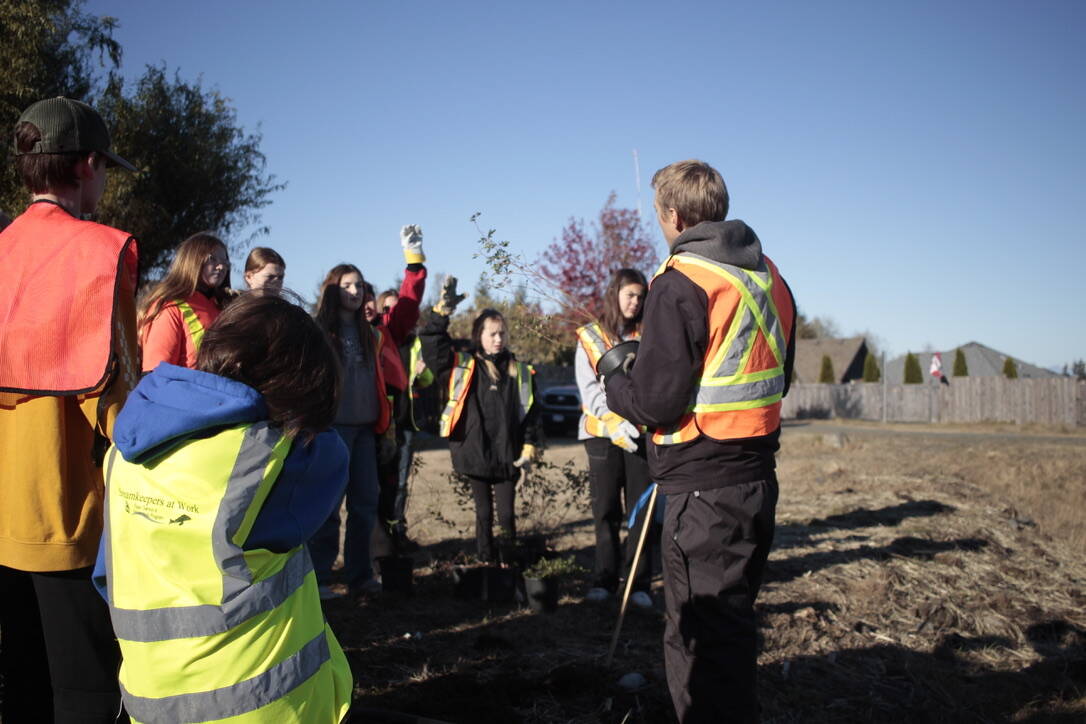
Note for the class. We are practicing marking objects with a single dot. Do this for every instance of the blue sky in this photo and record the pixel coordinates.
(917, 170)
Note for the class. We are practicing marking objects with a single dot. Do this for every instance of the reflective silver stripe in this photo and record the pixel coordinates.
(593, 335)
(762, 295)
(747, 326)
(256, 451)
(745, 392)
(164, 624)
(524, 388)
(235, 700)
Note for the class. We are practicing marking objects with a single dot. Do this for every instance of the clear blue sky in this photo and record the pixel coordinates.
(917, 170)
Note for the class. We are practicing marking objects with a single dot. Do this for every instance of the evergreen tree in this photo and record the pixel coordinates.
(961, 369)
(871, 369)
(826, 375)
(1010, 369)
(913, 375)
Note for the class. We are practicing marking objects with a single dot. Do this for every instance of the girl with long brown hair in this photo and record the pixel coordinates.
(616, 457)
(177, 311)
(264, 271)
(362, 415)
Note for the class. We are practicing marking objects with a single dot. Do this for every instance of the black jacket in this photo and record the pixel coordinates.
(488, 437)
(674, 337)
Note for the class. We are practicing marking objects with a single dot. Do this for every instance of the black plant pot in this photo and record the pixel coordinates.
(396, 574)
(522, 553)
(488, 583)
(542, 594)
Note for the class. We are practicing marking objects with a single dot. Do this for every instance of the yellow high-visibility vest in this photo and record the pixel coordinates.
(460, 384)
(196, 329)
(210, 631)
(750, 319)
(596, 343)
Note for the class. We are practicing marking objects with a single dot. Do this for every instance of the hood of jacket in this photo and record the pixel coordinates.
(174, 404)
(730, 242)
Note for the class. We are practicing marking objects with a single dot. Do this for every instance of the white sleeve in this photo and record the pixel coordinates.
(593, 396)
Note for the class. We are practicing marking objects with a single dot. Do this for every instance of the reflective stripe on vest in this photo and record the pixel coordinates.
(460, 383)
(739, 392)
(196, 329)
(208, 630)
(596, 343)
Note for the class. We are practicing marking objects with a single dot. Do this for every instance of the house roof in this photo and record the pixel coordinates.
(842, 352)
(980, 360)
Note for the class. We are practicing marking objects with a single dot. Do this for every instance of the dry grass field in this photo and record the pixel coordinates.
(920, 574)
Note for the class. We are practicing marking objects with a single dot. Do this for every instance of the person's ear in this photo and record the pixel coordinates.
(675, 219)
(84, 167)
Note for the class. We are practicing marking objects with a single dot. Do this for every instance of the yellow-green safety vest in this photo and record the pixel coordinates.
(210, 632)
(196, 329)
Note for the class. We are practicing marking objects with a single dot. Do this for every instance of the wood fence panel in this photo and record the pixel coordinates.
(1054, 401)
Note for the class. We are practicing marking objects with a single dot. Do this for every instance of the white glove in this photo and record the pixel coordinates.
(411, 241)
(623, 434)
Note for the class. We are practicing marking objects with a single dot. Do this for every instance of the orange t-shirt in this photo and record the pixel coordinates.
(167, 338)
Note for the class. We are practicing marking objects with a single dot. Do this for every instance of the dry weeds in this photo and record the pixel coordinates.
(917, 576)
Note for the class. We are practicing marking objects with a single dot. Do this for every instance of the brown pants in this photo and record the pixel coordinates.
(715, 545)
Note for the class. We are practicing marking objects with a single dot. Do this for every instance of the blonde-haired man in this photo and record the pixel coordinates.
(714, 361)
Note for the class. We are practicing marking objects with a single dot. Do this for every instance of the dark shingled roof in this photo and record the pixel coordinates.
(847, 356)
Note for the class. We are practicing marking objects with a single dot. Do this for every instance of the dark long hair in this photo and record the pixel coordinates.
(614, 324)
(276, 348)
(328, 311)
(183, 276)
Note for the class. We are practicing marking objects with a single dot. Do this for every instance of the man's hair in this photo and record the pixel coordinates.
(694, 189)
(44, 172)
(276, 348)
(183, 276)
(260, 257)
(611, 318)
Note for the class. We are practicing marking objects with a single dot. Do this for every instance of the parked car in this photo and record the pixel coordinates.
(560, 410)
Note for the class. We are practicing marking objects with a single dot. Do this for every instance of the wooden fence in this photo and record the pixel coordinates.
(1053, 401)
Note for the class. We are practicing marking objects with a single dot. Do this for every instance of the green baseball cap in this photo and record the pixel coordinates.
(70, 126)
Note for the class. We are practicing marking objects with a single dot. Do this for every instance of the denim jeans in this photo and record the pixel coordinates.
(361, 513)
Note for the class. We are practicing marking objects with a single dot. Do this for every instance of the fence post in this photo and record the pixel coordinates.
(884, 387)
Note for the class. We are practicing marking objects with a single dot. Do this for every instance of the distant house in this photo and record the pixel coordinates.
(847, 356)
(980, 360)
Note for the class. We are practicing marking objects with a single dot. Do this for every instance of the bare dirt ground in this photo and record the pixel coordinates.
(920, 573)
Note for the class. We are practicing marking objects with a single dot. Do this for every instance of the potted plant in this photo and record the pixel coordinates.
(541, 582)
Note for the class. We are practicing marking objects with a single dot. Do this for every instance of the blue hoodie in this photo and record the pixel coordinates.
(173, 405)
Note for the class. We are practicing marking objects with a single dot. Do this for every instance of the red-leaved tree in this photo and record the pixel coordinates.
(581, 263)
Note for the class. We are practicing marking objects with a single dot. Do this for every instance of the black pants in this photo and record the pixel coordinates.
(383, 541)
(612, 474)
(715, 546)
(486, 492)
(58, 656)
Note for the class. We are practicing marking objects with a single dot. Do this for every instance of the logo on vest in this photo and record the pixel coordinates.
(157, 509)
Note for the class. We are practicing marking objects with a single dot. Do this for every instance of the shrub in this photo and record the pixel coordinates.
(555, 568)
(913, 375)
(826, 374)
(1010, 369)
(871, 369)
(961, 369)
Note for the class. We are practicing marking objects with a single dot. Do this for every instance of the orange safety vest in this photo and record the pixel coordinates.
(61, 280)
(460, 382)
(596, 343)
(742, 380)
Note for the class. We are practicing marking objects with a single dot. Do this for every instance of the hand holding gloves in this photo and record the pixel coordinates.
(527, 455)
(411, 241)
(446, 305)
(622, 432)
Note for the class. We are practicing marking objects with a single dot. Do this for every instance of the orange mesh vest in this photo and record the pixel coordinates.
(61, 279)
(460, 383)
(596, 343)
(742, 378)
